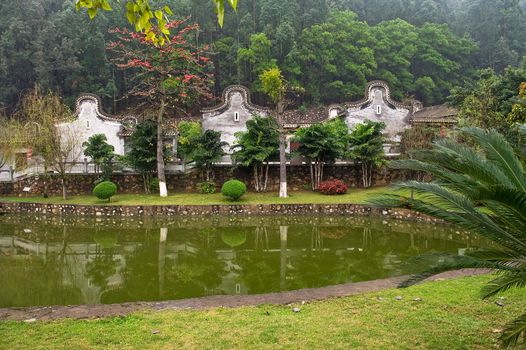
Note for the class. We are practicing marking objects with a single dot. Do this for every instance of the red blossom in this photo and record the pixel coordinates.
(188, 77)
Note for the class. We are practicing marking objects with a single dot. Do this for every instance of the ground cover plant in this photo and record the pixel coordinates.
(450, 316)
(355, 196)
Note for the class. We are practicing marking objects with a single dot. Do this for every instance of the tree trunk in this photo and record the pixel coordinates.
(266, 178)
(282, 155)
(64, 191)
(163, 192)
(312, 176)
(256, 178)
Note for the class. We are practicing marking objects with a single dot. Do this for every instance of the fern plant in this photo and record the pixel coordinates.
(481, 188)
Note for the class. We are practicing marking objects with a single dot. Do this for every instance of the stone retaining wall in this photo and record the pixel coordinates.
(198, 210)
(6, 188)
(298, 178)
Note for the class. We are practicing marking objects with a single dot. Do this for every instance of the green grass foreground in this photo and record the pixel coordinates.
(450, 316)
(354, 196)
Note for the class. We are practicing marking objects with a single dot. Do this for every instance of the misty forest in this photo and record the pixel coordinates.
(432, 50)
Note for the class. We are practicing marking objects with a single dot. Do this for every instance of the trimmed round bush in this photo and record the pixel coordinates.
(333, 187)
(233, 189)
(105, 190)
(234, 238)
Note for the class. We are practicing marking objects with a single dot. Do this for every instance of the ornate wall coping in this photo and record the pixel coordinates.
(369, 98)
(226, 96)
(127, 119)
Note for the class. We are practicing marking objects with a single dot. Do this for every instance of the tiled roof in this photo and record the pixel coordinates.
(296, 117)
(435, 114)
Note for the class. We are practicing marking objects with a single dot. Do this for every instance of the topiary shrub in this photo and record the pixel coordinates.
(333, 187)
(234, 238)
(207, 187)
(233, 189)
(105, 190)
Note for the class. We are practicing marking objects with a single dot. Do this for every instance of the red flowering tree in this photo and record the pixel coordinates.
(169, 78)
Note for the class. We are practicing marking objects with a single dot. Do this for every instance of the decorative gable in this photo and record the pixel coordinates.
(232, 114)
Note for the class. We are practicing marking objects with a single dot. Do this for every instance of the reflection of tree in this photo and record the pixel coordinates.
(100, 269)
(35, 281)
(190, 273)
(103, 266)
(260, 271)
(317, 269)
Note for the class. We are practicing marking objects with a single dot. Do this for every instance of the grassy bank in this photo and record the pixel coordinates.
(451, 316)
(355, 196)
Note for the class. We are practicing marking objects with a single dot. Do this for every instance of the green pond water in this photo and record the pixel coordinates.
(64, 261)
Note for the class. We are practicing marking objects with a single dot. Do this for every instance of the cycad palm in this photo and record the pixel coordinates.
(481, 189)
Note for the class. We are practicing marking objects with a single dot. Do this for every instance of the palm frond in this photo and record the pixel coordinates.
(456, 263)
(503, 283)
(513, 332)
(501, 153)
(507, 260)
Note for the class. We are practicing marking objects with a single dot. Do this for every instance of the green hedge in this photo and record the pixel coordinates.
(233, 189)
(105, 190)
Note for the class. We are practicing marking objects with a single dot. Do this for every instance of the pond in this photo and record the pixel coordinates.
(67, 260)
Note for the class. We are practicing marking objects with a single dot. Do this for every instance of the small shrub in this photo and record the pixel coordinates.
(207, 187)
(333, 187)
(233, 189)
(105, 190)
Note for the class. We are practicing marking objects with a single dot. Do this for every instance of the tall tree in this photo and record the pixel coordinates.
(322, 144)
(366, 145)
(101, 153)
(334, 60)
(275, 86)
(142, 151)
(53, 140)
(209, 149)
(168, 77)
(256, 147)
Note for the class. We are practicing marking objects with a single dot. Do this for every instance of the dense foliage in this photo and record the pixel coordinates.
(206, 187)
(141, 152)
(322, 144)
(101, 153)
(233, 189)
(189, 132)
(333, 187)
(256, 147)
(208, 151)
(481, 188)
(105, 190)
(366, 145)
(422, 48)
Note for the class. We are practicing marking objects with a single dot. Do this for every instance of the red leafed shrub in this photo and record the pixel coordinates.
(333, 187)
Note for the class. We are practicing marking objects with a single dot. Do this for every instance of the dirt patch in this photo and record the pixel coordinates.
(111, 310)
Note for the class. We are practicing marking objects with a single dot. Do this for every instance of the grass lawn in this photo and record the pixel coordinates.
(451, 316)
(355, 196)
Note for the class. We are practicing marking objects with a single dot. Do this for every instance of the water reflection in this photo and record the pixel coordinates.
(48, 261)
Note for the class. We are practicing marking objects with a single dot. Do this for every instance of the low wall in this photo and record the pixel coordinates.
(298, 177)
(6, 188)
(195, 210)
